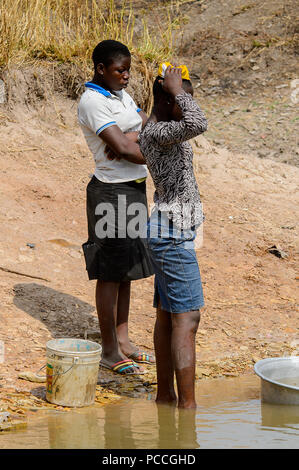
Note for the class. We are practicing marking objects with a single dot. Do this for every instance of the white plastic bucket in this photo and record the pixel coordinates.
(72, 371)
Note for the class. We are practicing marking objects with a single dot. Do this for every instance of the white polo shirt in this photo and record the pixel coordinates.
(99, 109)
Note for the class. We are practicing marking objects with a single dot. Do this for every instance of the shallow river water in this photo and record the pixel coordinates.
(230, 415)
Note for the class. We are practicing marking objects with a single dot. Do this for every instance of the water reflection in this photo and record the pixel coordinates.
(230, 415)
(74, 430)
(139, 425)
(118, 427)
(177, 428)
(282, 416)
(145, 425)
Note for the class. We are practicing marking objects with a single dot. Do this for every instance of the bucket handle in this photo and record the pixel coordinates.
(75, 361)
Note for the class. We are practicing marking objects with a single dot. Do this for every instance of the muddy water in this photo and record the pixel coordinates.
(229, 415)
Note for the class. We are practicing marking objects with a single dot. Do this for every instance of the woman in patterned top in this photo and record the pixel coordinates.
(175, 119)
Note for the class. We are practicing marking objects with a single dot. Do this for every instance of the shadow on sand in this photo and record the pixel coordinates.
(64, 315)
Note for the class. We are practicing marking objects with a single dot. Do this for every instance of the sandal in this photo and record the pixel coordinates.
(143, 357)
(121, 366)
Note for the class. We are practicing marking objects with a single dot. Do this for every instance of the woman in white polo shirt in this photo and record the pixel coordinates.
(115, 252)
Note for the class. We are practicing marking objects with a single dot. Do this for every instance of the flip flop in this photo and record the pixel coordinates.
(121, 366)
(143, 357)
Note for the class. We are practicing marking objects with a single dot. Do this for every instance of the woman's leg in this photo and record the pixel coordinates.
(107, 297)
(122, 318)
(106, 302)
(164, 364)
(184, 328)
(122, 321)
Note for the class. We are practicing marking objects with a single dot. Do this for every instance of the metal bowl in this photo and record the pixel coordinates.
(279, 380)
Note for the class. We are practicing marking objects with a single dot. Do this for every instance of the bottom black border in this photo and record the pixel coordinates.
(140, 458)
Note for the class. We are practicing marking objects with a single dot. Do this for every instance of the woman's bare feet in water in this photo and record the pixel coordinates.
(166, 399)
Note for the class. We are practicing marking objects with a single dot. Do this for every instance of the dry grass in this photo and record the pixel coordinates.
(37, 32)
(67, 30)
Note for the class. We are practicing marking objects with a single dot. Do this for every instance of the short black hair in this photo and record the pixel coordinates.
(107, 51)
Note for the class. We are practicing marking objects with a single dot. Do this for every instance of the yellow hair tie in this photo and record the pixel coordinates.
(163, 66)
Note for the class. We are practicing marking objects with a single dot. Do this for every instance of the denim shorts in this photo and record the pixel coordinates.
(177, 276)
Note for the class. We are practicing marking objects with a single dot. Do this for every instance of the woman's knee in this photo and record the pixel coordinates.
(188, 320)
(194, 320)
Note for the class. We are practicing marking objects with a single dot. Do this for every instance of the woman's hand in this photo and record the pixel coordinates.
(110, 154)
(119, 146)
(172, 82)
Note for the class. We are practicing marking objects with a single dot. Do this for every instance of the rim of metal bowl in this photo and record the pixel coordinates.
(275, 359)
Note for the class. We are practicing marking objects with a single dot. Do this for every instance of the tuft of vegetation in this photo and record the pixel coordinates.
(65, 32)
(68, 30)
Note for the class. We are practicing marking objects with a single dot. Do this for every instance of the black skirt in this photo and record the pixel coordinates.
(117, 214)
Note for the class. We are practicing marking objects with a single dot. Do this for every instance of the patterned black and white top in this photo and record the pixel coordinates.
(169, 159)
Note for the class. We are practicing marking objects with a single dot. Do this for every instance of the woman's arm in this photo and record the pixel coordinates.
(193, 121)
(121, 145)
(144, 117)
(192, 124)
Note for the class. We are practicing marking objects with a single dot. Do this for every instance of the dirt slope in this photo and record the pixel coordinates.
(243, 57)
